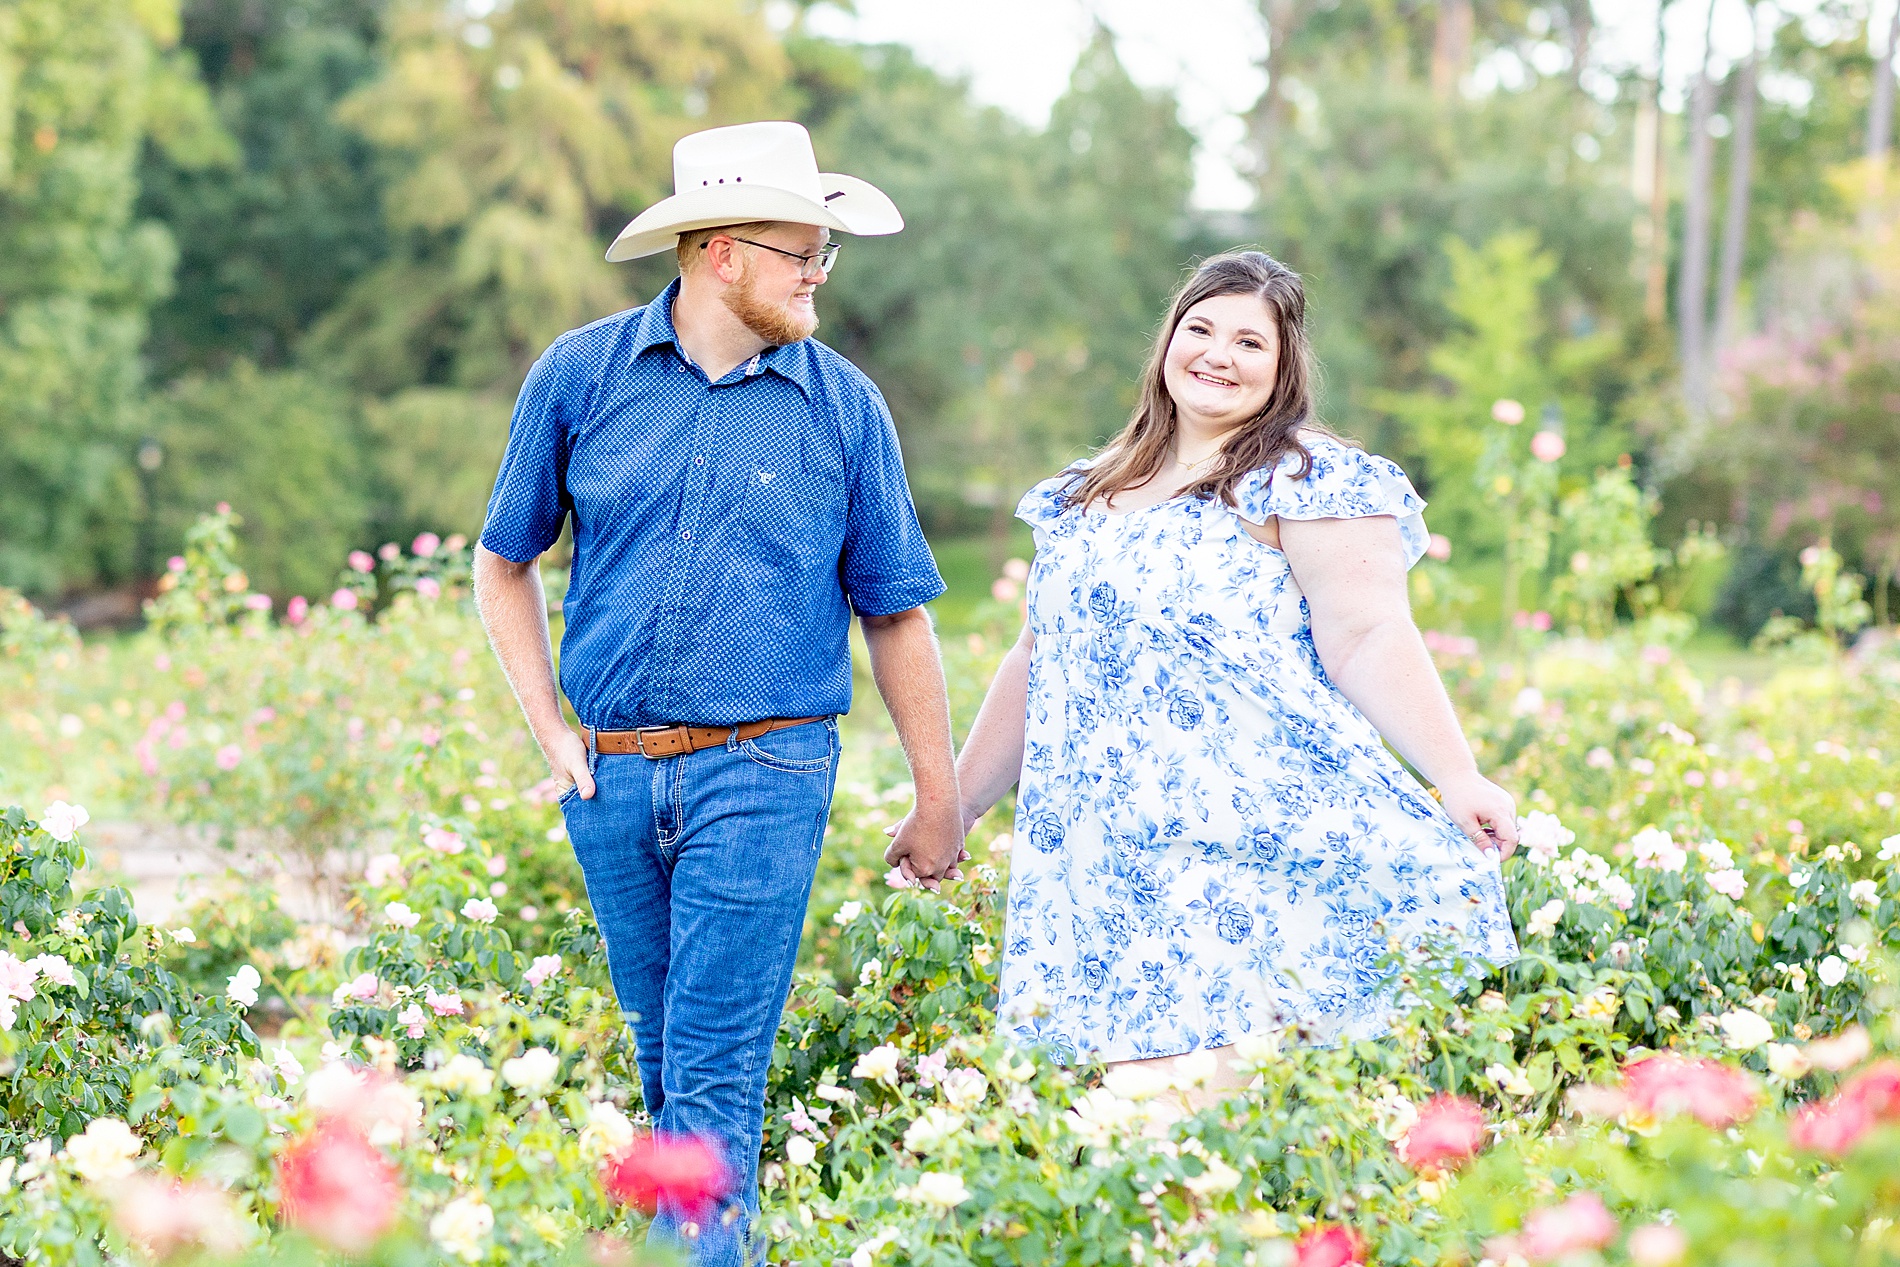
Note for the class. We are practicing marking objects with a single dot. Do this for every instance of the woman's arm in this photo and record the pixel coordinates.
(992, 757)
(1352, 572)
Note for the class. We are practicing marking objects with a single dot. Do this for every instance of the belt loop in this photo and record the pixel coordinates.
(593, 750)
(732, 740)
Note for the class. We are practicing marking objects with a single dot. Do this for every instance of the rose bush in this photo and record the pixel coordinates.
(1689, 1064)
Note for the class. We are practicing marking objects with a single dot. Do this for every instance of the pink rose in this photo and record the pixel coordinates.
(1547, 446)
(389, 552)
(1715, 1094)
(344, 600)
(424, 546)
(1440, 547)
(360, 561)
(449, 1004)
(297, 610)
(543, 967)
(1658, 1245)
(175, 564)
(442, 840)
(1449, 1130)
(229, 756)
(257, 602)
(428, 587)
(412, 1021)
(1508, 412)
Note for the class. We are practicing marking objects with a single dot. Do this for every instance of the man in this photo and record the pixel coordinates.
(736, 493)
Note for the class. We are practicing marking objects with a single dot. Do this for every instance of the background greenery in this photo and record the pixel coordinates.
(297, 257)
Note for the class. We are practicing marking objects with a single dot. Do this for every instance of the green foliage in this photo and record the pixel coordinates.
(90, 83)
(282, 449)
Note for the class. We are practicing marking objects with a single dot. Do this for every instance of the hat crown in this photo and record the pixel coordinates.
(776, 155)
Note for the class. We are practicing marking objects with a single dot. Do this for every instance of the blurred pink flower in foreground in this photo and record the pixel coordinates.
(175, 564)
(164, 1216)
(1439, 547)
(1717, 1095)
(338, 1188)
(1330, 1246)
(1557, 1231)
(429, 587)
(442, 840)
(344, 600)
(682, 1171)
(229, 756)
(297, 610)
(1658, 1245)
(361, 561)
(1449, 1131)
(1508, 412)
(424, 546)
(1547, 446)
(389, 552)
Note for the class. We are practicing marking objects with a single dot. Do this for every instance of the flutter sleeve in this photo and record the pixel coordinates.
(1043, 505)
(1344, 483)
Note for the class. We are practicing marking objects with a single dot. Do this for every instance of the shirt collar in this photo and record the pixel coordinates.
(791, 362)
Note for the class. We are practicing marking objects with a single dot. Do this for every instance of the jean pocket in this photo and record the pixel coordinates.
(573, 790)
(807, 749)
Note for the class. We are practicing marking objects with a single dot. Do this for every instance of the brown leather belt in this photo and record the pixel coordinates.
(655, 742)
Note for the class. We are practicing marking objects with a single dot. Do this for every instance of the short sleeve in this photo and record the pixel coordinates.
(886, 566)
(1344, 483)
(530, 500)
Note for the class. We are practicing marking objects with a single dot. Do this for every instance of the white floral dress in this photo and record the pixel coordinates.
(1211, 840)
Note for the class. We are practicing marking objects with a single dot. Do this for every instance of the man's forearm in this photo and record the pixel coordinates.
(908, 670)
(514, 611)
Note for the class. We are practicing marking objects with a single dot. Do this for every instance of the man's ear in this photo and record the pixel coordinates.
(722, 258)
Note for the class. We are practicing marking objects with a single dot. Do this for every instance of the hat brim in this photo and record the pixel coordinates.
(851, 206)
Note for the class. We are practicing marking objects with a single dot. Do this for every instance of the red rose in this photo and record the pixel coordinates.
(1331, 1246)
(338, 1188)
(683, 1171)
(1449, 1130)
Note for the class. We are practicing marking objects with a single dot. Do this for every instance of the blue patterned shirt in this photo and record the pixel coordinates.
(723, 532)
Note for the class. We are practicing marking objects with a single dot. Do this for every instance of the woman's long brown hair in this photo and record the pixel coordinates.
(1137, 455)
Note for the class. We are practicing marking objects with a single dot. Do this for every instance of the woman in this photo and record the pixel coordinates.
(1211, 839)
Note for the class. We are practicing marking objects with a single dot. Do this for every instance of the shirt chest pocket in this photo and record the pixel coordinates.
(793, 516)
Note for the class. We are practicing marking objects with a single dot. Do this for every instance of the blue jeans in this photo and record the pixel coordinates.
(699, 868)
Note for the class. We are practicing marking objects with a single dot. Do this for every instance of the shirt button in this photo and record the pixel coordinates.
(699, 461)
(686, 535)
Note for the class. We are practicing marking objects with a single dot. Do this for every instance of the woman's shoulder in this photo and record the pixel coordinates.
(1048, 499)
(1332, 479)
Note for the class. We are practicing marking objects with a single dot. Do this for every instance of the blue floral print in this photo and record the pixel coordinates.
(1215, 842)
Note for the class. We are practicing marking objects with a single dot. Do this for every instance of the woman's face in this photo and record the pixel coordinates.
(1222, 361)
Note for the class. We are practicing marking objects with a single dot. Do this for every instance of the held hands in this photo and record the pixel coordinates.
(1484, 811)
(567, 758)
(927, 845)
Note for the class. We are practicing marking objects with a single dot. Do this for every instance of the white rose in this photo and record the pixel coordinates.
(465, 1074)
(800, 1151)
(399, 914)
(608, 1130)
(847, 913)
(1542, 836)
(939, 1191)
(1745, 1030)
(878, 1065)
(482, 911)
(965, 1088)
(62, 821)
(870, 972)
(532, 1072)
(1832, 971)
(1219, 1177)
(932, 1130)
(1138, 1081)
(459, 1227)
(108, 1150)
(1787, 1061)
(241, 989)
(1865, 893)
(1544, 919)
(1510, 1079)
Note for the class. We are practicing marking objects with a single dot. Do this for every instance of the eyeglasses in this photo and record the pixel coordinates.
(825, 256)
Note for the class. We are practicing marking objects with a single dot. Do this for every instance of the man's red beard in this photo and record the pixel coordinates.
(777, 324)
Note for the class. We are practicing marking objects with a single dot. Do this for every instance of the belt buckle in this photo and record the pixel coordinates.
(656, 731)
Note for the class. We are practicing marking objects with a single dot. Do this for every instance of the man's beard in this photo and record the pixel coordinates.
(777, 324)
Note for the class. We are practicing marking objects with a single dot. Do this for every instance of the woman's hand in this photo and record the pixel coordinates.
(906, 824)
(1484, 811)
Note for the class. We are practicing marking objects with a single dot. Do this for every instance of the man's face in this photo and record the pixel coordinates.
(773, 293)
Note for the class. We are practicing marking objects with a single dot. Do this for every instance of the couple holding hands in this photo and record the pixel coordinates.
(1213, 838)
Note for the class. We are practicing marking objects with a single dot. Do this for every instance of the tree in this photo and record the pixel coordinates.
(269, 242)
(84, 84)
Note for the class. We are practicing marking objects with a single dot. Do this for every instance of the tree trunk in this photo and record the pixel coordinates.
(1656, 282)
(1741, 175)
(1692, 295)
(1451, 47)
(1269, 113)
(1880, 110)
(1581, 29)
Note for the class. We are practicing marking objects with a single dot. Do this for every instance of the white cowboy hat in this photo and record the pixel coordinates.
(754, 171)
